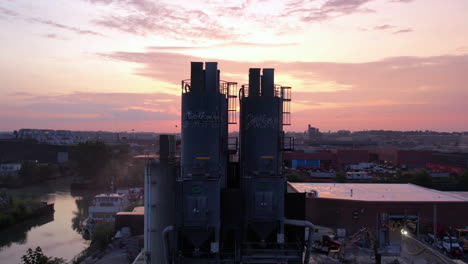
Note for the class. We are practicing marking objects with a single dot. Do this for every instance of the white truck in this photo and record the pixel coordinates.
(448, 245)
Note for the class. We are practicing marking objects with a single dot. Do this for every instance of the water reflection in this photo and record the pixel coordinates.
(18, 233)
(58, 235)
(83, 201)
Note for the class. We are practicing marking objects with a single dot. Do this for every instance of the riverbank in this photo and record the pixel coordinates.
(58, 234)
(15, 210)
(117, 251)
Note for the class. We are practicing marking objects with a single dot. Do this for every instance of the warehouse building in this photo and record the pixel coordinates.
(325, 159)
(384, 208)
(402, 158)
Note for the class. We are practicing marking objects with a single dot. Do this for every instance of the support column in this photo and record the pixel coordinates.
(434, 221)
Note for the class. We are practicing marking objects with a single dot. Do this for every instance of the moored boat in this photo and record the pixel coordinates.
(103, 210)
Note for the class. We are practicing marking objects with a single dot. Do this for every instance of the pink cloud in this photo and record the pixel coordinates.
(330, 9)
(383, 27)
(64, 27)
(210, 20)
(8, 12)
(143, 17)
(407, 30)
(51, 23)
(20, 94)
(87, 110)
(399, 92)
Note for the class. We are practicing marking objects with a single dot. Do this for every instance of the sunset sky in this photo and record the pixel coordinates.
(116, 65)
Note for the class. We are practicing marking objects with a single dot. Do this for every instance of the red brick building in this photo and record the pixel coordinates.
(385, 208)
(402, 158)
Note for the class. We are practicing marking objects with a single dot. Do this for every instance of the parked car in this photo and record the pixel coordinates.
(450, 246)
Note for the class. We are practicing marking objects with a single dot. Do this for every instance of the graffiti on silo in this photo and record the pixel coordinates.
(261, 120)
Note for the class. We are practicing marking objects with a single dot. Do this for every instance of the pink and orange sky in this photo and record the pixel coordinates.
(116, 65)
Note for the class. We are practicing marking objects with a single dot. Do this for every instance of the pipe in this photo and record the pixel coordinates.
(165, 238)
(311, 232)
(268, 82)
(254, 82)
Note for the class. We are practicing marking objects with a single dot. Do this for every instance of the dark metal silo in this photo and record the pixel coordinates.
(203, 164)
(263, 184)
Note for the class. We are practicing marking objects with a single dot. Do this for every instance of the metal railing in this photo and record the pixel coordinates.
(286, 96)
(227, 88)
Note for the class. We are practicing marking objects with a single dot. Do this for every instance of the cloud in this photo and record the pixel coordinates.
(20, 94)
(53, 36)
(407, 30)
(8, 12)
(49, 23)
(405, 93)
(462, 49)
(395, 28)
(92, 111)
(383, 27)
(64, 27)
(401, 1)
(79, 106)
(205, 20)
(224, 44)
(398, 91)
(330, 9)
(143, 17)
(386, 28)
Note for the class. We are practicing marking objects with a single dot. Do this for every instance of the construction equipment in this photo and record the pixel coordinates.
(363, 233)
(462, 236)
(327, 243)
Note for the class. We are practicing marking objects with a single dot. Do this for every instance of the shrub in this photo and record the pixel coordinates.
(340, 176)
(422, 178)
(293, 177)
(38, 257)
(102, 235)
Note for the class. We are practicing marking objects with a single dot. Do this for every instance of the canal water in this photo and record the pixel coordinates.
(57, 235)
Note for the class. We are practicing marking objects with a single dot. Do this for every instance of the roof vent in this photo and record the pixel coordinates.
(312, 194)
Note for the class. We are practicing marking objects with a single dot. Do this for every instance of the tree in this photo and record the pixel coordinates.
(32, 172)
(38, 257)
(340, 176)
(29, 171)
(293, 177)
(463, 179)
(102, 235)
(422, 178)
(91, 158)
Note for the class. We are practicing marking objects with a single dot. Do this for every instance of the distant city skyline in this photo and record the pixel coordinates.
(116, 65)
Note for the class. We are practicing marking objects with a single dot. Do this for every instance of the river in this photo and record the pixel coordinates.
(57, 235)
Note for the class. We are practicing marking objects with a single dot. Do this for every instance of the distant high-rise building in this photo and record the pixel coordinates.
(314, 134)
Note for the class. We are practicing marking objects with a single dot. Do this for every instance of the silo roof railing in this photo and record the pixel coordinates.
(227, 88)
(280, 91)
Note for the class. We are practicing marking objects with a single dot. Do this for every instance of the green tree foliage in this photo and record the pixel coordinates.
(32, 172)
(340, 176)
(102, 235)
(422, 178)
(13, 209)
(463, 179)
(38, 257)
(91, 157)
(29, 171)
(6, 220)
(293, 177)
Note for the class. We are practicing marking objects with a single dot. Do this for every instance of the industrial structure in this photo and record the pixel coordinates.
(219, 202)
(383, 208)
